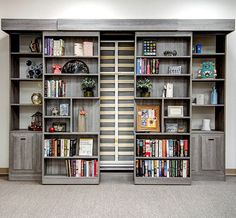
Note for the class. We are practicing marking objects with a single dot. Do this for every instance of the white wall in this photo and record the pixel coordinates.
(91, 9)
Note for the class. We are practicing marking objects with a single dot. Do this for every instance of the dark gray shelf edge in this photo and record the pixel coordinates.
(73, 157)
(164, 75)
(161, 133)
(162, 180)
(223, 25)
(162, 158)
(163, 57)
(207, 132)
(71, 74)
(208, 105)
(24, 131)
(26, 80)
(72, 56)
(57, 180)
(72, 133)
(208, 80)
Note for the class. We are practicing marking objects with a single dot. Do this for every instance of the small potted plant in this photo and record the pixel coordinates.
(88, 84)
(144, 85)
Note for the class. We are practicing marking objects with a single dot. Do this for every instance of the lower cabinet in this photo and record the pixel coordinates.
(208, 156)
(25, 156)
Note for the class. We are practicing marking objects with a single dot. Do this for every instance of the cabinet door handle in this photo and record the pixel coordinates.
(211, 139)
(22, 139)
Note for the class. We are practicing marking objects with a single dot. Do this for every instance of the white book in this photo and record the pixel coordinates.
(158, 168)
(68, 148)
(160, 148)
(156, 148)
(168, 168)
(184, 168)
(167, 148)
(79, 168)
(62, 147)
(87, 168)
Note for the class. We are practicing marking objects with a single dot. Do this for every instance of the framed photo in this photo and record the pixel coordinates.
(172, 127)
(175, 70)
(148, 118)
(64, 109)
(175, 111)
(86, 146)
(59, 127)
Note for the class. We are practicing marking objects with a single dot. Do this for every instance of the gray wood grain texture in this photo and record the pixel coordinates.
(29, 24)
(148, 24)
(25, 156)
(208, 156)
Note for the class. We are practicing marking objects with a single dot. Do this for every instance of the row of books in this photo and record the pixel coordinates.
(53, 47)
(81, 168)
(162, 148)
(55, 88)
(60, 147)
(162, 168)
(147, 66)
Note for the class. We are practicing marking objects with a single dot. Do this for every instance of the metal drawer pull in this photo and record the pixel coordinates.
(22, 139)
(211, 139)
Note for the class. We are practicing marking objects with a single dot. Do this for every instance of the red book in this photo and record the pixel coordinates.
(95, 168)
(163, 148)
(82, 167)
(185, 148)
(148, 149)
(148, 67)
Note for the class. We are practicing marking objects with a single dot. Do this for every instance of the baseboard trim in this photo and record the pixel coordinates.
(4, 171)
(230, 172)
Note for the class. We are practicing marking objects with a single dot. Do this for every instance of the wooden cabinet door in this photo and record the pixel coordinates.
(196, 153)
(213, 152)
(25, 152)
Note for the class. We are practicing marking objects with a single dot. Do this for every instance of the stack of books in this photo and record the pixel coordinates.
(147, 66)
(55, 88)
(54, 47)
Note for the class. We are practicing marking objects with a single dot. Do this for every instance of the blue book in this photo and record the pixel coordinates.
(138, 67)
(171, 148)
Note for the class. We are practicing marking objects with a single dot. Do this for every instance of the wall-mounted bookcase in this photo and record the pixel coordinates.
(25, 146)
(62, 159)
(208, 147)
(162, 159)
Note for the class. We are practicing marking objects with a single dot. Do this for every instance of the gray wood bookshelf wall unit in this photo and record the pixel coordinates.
(118, 50)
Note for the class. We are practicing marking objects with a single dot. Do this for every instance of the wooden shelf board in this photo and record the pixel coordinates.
(184, 117)
(162, 180)
(160, 98)
(71, 133)
(27, 54)
(71, 74)
(198, 131)
(72, 56)
(160, 133)
(24, 131)
(207, 54)
(163, 158)
(208, 80)
(74, 157)
(57, 117)
(208, 105)
(73, 98)
(163, 57)
(26, 105)
(163, 75)
(61, 180)
(26, 79)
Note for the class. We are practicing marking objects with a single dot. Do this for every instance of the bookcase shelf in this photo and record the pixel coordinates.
(182, 97)
(58, 169)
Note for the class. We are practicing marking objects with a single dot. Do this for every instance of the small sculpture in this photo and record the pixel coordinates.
(56, 68)
(207, 70)
(170, 53)
(36, 122)
(35, 46)
(55, 111)
(34, 70)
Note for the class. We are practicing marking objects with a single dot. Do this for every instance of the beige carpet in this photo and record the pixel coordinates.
(116, 196)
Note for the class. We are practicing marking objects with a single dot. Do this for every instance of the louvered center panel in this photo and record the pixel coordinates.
(117, 105)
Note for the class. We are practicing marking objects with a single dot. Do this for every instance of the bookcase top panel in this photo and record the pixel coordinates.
(225, 25)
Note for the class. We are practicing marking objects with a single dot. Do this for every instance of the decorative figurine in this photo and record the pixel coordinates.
(36, 122)
(36, 98)
(51, 129)
(198, 48)
(82, 120)
(56, 68)
(35, 46)
(207, 70)
(55, 111)
(170, 53)
(34, 70)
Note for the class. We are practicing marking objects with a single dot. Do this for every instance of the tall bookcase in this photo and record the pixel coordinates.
(63, 168)
(153, 168)
(25, 145)
(208, 147)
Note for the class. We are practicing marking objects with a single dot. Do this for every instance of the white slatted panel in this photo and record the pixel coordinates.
(117, 104)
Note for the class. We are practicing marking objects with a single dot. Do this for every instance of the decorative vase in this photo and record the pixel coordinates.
(145, 94)
(214, 96)
(81, 123)
(206, 125)
(88, 93)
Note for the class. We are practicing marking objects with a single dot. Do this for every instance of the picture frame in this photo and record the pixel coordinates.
(59, 126)
(175, 70)
(86, 146)
(171, 127)
(175, 111)
(148, 118)
(64, 109)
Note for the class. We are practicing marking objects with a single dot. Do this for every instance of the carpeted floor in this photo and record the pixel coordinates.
(116, 196)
